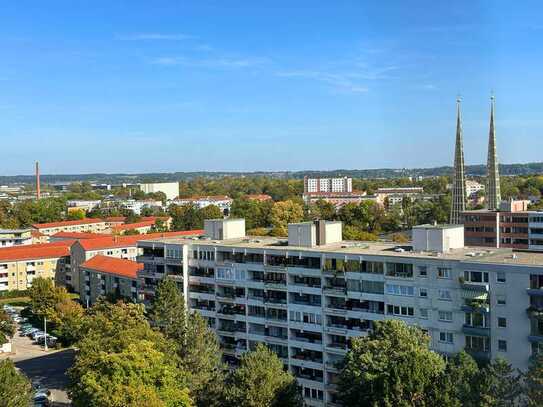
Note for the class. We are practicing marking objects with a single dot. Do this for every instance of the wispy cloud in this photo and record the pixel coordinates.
(352, 81)
(339, 81)
(155, 37)
(216, 63)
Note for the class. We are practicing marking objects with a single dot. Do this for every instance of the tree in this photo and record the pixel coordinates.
(44, 298)
(196, 345)
(460, 378)
(261, 381)
(15, 388)
(321, 210)
(500, 385)
(168, 312)
(534, 383)
(121, 361)
(7, 327)
(70, 318)
(354, 233)
(210, 212)
(393, 366)
(77, 214)
(185, 217)
(283, 213)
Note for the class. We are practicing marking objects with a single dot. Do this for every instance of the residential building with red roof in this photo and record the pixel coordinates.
(124, 247)
(105, 275)
(81, 225)
(224, 202)
(19, 265)
(76, 235)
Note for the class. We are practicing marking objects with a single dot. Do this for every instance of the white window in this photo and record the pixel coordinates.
(423, 292)
(446, 337)
(500, 277)
(423, 271)
(400, 310)
(423, 313)
(500, 299)
(446, 316)
(502, 345)
(445, 295)
(443, 272)
(395, 289)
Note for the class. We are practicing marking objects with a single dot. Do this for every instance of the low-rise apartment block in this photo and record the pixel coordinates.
(308, 295)
(110, 276)
(21, 264)
(15, 237)
(123, 247)
(513, 226)
(224, 202)
(83, 225)
(390, 197)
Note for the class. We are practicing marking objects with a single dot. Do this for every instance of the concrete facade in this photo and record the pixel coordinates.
(307, 302)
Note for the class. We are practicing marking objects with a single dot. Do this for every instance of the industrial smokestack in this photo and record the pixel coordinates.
(38, 192)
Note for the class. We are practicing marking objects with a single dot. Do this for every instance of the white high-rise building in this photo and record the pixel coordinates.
(308, 296)
(317, 185)
(170, 189)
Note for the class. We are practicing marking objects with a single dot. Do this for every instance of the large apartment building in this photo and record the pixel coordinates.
(308, 295)
(19, 265)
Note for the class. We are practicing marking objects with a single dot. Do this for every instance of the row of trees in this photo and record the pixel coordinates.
(393, 366)
(167, 357)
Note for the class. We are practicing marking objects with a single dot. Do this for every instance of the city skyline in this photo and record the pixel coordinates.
(109, 89)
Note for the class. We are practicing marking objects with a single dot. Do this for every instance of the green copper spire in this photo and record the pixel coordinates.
(459, 182)
(493, 194)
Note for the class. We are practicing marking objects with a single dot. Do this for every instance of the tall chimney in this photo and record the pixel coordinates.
(38, 192)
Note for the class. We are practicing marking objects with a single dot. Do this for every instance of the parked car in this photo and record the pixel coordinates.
(41, 397)
(37, 333)
(25, 326)
(29, 331)
(51, 340)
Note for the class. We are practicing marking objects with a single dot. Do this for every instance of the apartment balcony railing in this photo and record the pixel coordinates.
(476, 330)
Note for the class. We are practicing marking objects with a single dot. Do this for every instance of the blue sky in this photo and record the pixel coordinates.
(140, 86)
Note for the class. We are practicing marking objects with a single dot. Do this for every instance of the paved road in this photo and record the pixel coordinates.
(46, 368)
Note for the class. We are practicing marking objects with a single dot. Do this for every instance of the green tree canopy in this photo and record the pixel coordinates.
(261, 381)
(534, 383)
(7, 327)
(15, 388)
(195, 344)
(390, 367)
(283, 213)
(121, 361)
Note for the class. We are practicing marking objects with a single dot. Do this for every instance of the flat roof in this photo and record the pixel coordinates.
(380, 248)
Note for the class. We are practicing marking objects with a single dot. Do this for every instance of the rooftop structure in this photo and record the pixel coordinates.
(15, 237)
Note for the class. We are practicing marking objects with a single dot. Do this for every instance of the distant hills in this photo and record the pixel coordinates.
(387, 173)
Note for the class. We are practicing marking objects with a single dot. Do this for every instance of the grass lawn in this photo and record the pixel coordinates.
(17, 301)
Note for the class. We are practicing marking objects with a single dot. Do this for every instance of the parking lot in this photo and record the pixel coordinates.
(44, 368)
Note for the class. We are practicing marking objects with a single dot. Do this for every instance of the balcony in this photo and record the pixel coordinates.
(473, 305)
(535, 312)
(474, 291)
(275, 268)
(335, 290)
(479, 354)
(277, 284)
(476, 330)
(537, 292)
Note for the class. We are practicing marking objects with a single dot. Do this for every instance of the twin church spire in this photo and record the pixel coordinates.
(493, 195)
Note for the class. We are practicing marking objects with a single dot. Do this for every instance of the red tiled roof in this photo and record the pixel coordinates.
(66, 223)
(127, 241)
(258, 197)
(113, 265)
(79, 235)
(130, 226)
(37, 251)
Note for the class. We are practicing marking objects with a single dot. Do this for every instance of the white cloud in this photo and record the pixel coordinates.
(345, 82)
(217, 63)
